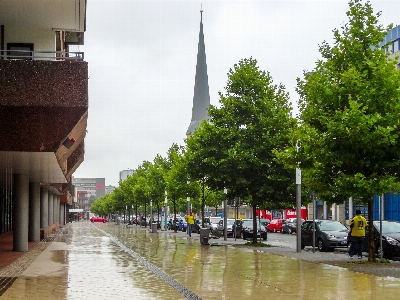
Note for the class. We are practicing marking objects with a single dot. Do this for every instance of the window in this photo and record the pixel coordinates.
(396, 45)
(20, 51)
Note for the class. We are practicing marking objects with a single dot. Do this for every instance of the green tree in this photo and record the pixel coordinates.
(349, 115)
(176, 177)
(235, 149)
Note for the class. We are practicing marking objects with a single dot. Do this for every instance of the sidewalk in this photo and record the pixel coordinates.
(103, 261)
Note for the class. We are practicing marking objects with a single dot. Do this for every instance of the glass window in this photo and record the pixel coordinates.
(396, 45)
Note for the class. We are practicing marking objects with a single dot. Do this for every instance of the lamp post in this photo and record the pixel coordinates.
(298, 204)
(165, 211)
(151, 212)
(225, 215)
(188, 200)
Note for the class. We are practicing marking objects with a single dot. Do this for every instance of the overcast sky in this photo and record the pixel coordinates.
(142, 64)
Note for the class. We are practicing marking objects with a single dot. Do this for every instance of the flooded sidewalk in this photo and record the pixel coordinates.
(108, 261)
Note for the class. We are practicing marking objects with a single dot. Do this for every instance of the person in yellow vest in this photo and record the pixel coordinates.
(190, 223)
(357, 227)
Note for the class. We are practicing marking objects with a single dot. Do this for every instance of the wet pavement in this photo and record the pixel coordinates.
(108, 261)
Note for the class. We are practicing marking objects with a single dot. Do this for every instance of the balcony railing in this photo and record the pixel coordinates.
(41, 55)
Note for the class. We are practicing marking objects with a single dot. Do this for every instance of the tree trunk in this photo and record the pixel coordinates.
(255, 228)
(203, 203)
(175, 226)
(145, 216)
(371, 253)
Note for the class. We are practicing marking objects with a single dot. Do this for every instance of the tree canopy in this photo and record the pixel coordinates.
(349, 105)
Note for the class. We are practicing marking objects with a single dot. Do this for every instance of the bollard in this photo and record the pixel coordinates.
(154, 227)
(204, 236)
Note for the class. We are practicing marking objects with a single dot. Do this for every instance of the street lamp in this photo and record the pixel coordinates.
(298, 204)
(151, 212)
(165, 211)
(225, 215)
(188, 200)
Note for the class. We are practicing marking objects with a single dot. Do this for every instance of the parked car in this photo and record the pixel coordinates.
(329, 234)
(212, 225)
(247, 229)
(182, 225)
(230, 225)
(196, 226)
(264, 222)
(275, 225)
(98, 219)
(290, 226)
(390, 239)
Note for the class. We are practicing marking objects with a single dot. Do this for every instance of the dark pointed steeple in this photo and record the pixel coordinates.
(201, 98)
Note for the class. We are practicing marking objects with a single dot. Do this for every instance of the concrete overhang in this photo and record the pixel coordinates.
(59, 15)
(39, 166)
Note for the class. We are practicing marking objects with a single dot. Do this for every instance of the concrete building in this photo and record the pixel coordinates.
(87, 189)
(201, 98)
(124, 174)
(43, 114)
(109, 189)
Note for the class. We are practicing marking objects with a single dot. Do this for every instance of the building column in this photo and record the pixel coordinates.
(34, 212)
(334, 214)
(55, 208)
(51, 208)
(351, 213)
(326, 213)
(62, 214)
(44, 208)
(20, 212)
(341, 213)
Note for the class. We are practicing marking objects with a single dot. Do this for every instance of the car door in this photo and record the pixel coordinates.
(220, 226)
(307, 233)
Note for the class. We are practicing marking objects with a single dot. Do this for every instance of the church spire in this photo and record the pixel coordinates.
(201, 98)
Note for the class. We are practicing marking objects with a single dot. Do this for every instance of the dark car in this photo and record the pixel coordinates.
(264, 222)
(290, 226)
(390, 239)
(247, 229)
(230, 224)
(182, 225)
(196, 226)
(329, 234)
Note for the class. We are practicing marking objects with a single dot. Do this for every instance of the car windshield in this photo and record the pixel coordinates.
(388, 227)
(331, 226)
(248, 223)
(230, 222)
(215, 221)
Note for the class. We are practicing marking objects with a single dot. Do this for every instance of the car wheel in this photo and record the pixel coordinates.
(320, 245)
(378, 252)
(289, 231)
(104, 221)
(282, 231)
(274, 229)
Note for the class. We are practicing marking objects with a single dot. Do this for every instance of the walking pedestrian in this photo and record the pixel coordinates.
(357, 225)
(190, 223)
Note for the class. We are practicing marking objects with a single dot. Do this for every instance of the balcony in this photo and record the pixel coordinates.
(43, 104)
(17, 52)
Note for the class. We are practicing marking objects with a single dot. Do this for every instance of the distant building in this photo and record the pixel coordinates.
(124, 174)
(201, 98)
(86, 188)
(109, 189)
(393, 38)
